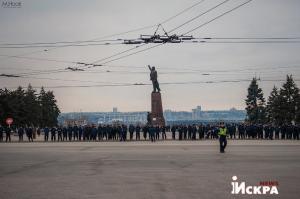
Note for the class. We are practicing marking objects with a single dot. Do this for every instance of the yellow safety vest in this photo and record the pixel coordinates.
(222, 131)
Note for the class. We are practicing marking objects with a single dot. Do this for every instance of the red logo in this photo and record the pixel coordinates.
(9, 121)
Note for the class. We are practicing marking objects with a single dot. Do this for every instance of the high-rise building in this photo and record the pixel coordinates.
(196, 113)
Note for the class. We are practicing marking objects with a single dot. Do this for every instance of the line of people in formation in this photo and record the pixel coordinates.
(152, 133)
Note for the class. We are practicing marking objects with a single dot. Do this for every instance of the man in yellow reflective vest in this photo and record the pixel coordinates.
(222, 137)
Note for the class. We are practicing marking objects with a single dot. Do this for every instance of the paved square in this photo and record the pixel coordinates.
(169, 169)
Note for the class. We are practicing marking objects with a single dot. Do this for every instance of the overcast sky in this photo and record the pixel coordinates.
(76, 20)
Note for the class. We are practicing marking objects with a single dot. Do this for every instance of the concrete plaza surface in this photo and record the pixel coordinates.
(166, 169)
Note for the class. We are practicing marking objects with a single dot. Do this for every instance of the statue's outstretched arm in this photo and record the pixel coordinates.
(149, 67)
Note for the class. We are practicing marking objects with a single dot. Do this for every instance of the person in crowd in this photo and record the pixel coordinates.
(145, 130)
(7, 133)
(70, 133)
(180, 132)
(21, 133)
(53, 134)
(185, 129)
(38, 131)
(277, 132)
(157, 132)
(173, 130)
(29, 133)
(1, 133)
(163, 132)
(75, 133)
(46, 134)
(152, 131)
(131, 131)
(297, 132)
(222, 137)
(241, 129)
(201, 131)
(65, 133)
(194, 131)
(59, 134)
(189, 129)
(137, 132)
(124, 133)
(99, 133)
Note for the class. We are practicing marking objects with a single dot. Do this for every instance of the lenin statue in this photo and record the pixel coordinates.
(153, 78)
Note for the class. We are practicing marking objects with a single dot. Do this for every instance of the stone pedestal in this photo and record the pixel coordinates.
(157, 117)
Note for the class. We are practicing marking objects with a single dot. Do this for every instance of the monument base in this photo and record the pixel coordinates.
(157, 116)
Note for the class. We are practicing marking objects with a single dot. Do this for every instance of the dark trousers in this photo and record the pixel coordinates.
(164, 135)
(173, 135)
(20, 137)
(180, 136)
(99, 134)
(76, 135)
(53, 137)
(296, 135)
(152, 137)
(131, 135)
(137, 136)
(157, 136)
(223, 143)
(46, 136)
(30, 138)
(59, 137)
(70, 136)
(8, 137)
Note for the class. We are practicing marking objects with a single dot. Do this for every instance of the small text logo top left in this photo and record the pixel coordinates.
(11, 4)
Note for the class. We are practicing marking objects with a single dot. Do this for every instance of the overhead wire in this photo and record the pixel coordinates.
(39, 59)
(200, 15)
(183, 11)
(119, 53)
(219, 16)
(281, 40)
(247, 38)
(57, 42)
(159, 24)
(59, 46)
(116, 34)
(102, 37)
(122, 57)
(142, 72)
(134, 30)
(163, 83)
(243, 42)
(158, 44)
(240, 5)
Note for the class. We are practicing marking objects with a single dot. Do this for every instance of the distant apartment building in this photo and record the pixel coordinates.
(124, 117)
(177, 115)
(197, 114)
(73, 122)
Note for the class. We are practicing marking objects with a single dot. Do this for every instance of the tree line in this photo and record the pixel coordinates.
(27, 107)
(282, 106)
